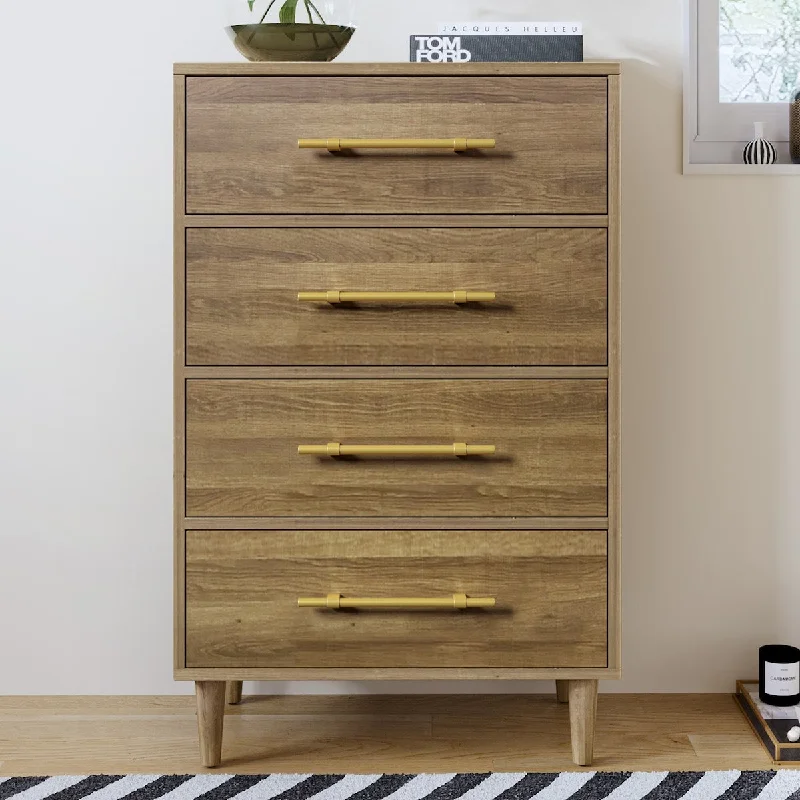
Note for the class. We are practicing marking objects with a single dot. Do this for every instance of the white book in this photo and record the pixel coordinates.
(510, 28)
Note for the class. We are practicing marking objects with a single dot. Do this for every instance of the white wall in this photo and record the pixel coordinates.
(711, 348)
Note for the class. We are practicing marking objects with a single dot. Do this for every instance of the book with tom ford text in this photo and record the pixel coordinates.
(462, 42)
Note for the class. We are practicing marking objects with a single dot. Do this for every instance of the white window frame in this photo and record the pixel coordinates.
(715, 133)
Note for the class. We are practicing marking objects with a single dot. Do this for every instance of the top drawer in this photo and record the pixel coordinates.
(243, 157)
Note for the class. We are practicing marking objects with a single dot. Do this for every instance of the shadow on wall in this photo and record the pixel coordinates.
(704, 262)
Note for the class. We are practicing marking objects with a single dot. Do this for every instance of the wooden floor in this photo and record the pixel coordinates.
(370, 734)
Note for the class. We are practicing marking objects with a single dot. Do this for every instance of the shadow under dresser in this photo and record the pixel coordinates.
(397, 377)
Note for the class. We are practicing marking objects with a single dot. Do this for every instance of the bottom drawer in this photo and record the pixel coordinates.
(550, 592)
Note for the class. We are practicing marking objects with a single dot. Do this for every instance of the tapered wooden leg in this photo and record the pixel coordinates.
(562, 691)
(233, 694)
(210, 719)
(582, 716)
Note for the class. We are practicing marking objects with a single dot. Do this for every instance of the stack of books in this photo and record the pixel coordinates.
(462, 42)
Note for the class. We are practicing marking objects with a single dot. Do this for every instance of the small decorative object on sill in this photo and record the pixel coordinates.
(759, 151)
(290, 30)
(794, 126)
(779, 674)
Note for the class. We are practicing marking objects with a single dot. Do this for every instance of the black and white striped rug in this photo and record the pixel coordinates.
(728, 785)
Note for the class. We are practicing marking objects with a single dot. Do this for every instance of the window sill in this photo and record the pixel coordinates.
(741, 169)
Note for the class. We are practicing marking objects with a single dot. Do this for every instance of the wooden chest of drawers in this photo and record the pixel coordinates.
(397, 377)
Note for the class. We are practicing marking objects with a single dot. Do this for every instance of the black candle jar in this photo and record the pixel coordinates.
(779, 675)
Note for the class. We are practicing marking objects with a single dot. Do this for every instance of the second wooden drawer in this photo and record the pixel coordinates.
(242, 304)
(242, 439)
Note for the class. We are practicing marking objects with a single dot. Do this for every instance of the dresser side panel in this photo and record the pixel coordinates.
(614, 376)
(179, 322)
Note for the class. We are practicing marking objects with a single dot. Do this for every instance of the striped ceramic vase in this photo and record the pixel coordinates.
(759, 151)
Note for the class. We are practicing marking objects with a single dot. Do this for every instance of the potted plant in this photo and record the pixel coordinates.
(290, 30)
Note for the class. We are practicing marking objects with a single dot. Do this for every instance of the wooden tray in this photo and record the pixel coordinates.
(770, 732)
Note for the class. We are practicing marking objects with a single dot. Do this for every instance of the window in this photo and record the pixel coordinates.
(743, 62)
(759, 50)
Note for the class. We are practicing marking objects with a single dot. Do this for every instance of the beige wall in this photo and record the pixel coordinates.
(711, 347)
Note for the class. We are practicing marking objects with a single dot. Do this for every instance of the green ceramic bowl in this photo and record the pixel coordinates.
(278, 41)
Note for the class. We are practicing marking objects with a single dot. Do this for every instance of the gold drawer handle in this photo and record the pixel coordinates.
(458, 296)
(457, 145)
(335, 449)
(337, 601)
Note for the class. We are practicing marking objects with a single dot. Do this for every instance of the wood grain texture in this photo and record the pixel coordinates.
(373, 734)
(242, 439)
(210, 720)
(242, 589)
(614, 375)
(399, 523)
(179, 355)
(584, 68)
(394, 221)
(551, 154)
(582, 717)
(242, 306)
(395, 673)
(562, 691)
(394, 372)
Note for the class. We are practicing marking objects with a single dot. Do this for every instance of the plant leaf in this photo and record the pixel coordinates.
(251, 3)
(288, 11)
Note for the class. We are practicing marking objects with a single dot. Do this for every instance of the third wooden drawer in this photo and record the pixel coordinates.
(550, 593)
(550, 440)
(242, 287)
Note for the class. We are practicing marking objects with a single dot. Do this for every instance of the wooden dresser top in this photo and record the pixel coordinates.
(245, 68)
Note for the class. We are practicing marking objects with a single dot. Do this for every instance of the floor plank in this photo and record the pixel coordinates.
(368, 733)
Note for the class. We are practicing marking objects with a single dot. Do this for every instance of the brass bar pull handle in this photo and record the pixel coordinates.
(336, 601)
(458, 296)
(335, 449)
(457, 144)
